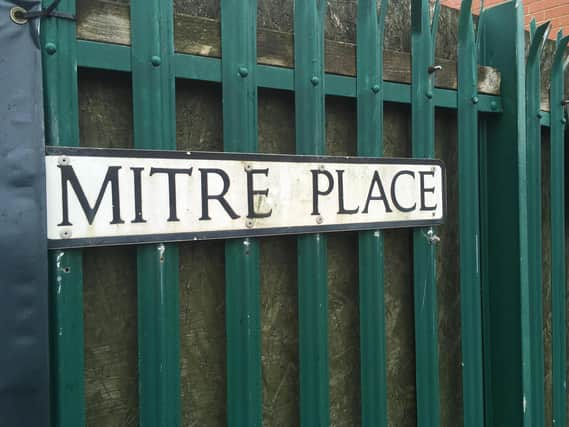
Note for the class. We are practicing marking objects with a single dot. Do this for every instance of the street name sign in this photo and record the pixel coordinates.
(101, 197)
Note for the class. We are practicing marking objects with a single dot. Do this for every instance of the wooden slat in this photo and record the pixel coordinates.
(109, 22)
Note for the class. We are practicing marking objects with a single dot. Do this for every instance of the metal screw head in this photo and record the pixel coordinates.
(17, 15)
(65, 234)
(315, 81)
(156, 60)
(475, 100)
(493, 105)
(248, 167)
(249, 223)
(321, 167)
(243, 71)
(429, 94)
(63, 161)
(375, 88)
(319, 219)
(50, 48)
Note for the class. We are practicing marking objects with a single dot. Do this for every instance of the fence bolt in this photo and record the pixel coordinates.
(243, 71)
(434, 68)
(375, 88)
(432, 237)
(50, 48)
(315, 81)
(156, 61)
(493, 105)
(539, 115)
(475, 99)
(429, 94)
(319, 219)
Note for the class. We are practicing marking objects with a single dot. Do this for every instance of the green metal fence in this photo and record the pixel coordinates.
(499, 212)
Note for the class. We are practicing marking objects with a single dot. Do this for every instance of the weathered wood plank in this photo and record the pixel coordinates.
(109, 22)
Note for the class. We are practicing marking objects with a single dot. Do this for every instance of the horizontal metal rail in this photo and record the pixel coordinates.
(106, 56)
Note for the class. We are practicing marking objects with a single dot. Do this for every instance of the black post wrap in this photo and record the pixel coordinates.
(24, 344)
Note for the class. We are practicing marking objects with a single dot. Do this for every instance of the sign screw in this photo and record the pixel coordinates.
(248, 167)
(50, 48)
(249, 223)
(63, 161)
(243, 72)
(322, 167)
(156, 60)
(65, 234)
(315, 81)
(319, 219)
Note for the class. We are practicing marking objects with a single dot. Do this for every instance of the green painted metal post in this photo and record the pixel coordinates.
(65, 266)
(312, 253)
(533, 147)
(242, 300)
(370, 31)
(425, 286)
(504, 254)
(152, 57)
(469, 221)
(558, 267)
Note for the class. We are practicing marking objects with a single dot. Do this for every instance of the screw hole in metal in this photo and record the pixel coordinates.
(17, 15)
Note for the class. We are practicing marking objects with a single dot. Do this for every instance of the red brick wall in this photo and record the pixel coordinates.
(556, 11)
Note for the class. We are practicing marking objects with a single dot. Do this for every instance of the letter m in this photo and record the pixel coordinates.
(68, 177)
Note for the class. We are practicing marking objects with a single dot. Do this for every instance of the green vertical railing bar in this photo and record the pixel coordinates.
(504, 255)
(242, 295)
(59, 59)
(424, 239)
(370, 31)
(152, 56)
(533, 149)
(469, 221)
(558, 267)
(312, 252)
